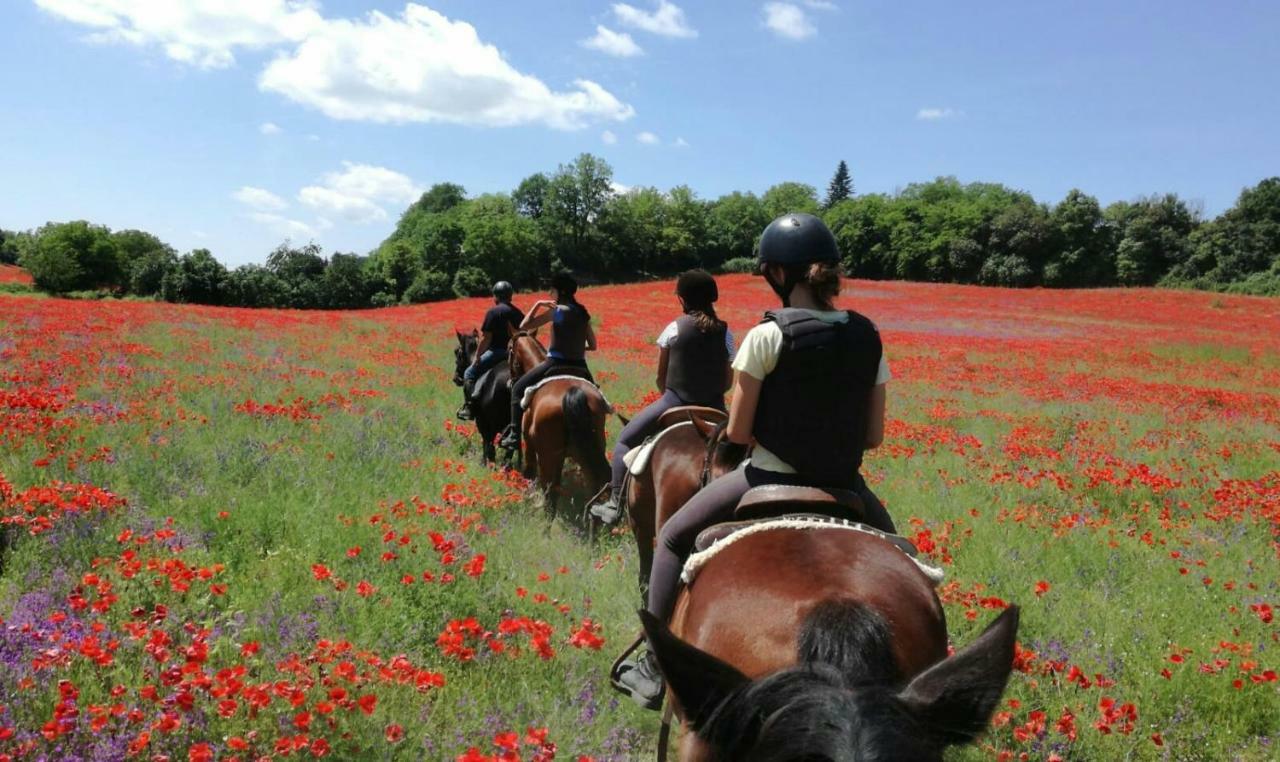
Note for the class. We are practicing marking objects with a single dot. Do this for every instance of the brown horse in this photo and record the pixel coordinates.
(565, 418)
(823, 643)
(682, 461)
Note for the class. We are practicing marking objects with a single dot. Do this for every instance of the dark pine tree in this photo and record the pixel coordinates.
(841, 186)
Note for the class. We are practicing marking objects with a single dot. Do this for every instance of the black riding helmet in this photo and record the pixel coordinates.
(697, 288)
(564, 284)
(503, 291)
(794, 241)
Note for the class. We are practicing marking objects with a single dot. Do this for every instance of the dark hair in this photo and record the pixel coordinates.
(698, 290)
(822, 278)
(566, 286)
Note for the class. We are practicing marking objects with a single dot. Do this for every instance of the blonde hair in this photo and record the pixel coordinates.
(823, 280)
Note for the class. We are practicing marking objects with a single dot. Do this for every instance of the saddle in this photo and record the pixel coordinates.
(570, 370)
(685, 413)
(488, 383)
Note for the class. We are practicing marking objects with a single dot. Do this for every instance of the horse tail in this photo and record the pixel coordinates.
(581, 438)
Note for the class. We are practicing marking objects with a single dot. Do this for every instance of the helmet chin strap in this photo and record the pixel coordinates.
(783, 289)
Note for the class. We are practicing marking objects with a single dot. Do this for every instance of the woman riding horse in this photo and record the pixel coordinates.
(695, 350)
(571, 338)
(809, 391)
(495, 333)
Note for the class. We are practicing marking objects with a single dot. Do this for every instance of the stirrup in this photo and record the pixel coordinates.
(464, 413)
(616, 672)
(608, 511)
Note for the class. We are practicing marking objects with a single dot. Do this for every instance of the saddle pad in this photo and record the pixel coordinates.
(637, 458)
(528, 393)
(696, 561)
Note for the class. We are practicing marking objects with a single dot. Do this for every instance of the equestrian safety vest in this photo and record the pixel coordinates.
(569, 333)
(813, 409)
(696, 361)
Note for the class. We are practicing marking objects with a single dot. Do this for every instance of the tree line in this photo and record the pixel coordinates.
(447, 244)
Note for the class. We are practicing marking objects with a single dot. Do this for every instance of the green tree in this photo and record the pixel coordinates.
(471, 281)
(255, 286)
(347, 283)
(684, 231)
(840, 187)
(13, 245)
(734, 224)
(72, 256)
(530, 196)
(429, 286)
(575, 199)
(439, 198)
(300, 269)
(784, 198)
(1243, 241)
(863, 229)
(502, 243)
(1083, 251)
(197, 278)
(148, 270)
(135, 245)
(1155, 237)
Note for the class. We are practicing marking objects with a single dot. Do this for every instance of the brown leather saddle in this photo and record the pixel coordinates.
(685, 413)
(569, 370)
(774, 501)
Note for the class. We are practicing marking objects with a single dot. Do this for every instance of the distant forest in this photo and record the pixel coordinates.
(447, 244)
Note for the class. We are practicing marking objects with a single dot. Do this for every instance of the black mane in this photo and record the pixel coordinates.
(839, 703)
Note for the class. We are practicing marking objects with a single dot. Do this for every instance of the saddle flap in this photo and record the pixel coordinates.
(684, 413)
(778, 499)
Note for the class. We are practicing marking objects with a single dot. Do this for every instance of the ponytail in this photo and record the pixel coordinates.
(821, 278)
(705, 318)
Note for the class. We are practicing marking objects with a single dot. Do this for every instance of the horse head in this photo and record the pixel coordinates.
(524, 352)
(463, 353)
(819, 711)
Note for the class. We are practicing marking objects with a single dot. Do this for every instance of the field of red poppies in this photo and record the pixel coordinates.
(233, 534)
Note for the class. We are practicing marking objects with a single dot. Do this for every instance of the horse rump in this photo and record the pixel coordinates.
(582, 440)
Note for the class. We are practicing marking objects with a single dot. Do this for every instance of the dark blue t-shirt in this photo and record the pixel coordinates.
(500, 321)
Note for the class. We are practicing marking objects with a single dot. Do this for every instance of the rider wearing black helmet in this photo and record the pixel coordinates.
(499, 323)
(809, 393)
(571, 338)
(693, 369)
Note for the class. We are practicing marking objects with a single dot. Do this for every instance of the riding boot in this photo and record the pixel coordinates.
(608, 511)
(511, 437)
(464, 412)
(641, 678)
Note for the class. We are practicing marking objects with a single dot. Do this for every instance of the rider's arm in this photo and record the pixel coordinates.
(538, 316)
(728, 375)
(875, 417)
(664, 355)
(486, 339)
(742, 413)
(591, 339)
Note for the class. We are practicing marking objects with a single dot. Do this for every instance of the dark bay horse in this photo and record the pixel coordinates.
(823, 644)
(566, 418)
(492, 410)
(681, 462)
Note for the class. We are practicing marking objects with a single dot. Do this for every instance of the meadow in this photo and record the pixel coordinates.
(241, 534)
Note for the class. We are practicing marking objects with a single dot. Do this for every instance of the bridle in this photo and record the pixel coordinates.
(709, 455)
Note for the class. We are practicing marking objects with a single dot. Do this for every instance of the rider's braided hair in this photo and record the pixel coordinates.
(698, 290)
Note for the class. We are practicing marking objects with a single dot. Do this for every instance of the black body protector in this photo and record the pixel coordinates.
(569, 336)
(695, 363)
(813, 410)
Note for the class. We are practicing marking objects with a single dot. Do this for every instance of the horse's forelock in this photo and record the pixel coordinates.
(810, 712)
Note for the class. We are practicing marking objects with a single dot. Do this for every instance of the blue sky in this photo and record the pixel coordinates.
(230, 124)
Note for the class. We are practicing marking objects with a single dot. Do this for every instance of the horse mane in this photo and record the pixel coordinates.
(838, 703)
(853, 638)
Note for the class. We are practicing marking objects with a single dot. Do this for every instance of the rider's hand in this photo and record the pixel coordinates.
(730, 452)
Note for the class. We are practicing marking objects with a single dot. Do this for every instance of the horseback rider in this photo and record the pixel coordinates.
(695, 350)
(809, 392)
(571, 339)
(500, 322)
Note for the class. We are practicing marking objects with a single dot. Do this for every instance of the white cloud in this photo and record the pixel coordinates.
(668, 20)
(935, 114)
(416, 67)
(608, 137)
(423, 67)
(681, 143)
(283, 225)
(356, 193)
(619, 189)
(788, 20)
(648, 138)
(202, 33)
(260, 199)
(270, 128)
(613, 43)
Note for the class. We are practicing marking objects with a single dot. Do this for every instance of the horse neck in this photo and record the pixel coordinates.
(528, 350)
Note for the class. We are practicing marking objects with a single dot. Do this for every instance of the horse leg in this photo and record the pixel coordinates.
(550, 472)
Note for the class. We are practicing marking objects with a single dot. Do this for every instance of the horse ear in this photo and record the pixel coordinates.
(697, 679)
(954, 698)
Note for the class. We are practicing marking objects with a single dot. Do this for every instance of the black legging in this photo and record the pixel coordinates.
(536, 374)
(645, 424)
(714, 504)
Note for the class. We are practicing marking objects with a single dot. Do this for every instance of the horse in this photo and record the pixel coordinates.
(565, 418)
(822, 643)
(492, 410)
(681, 461)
